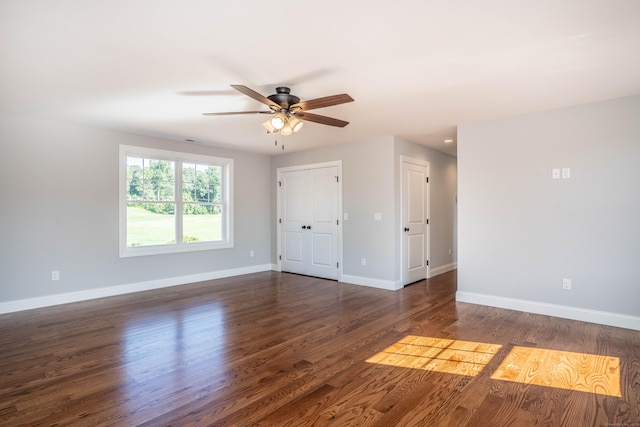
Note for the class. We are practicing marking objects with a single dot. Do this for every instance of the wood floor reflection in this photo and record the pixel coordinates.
(272, 349)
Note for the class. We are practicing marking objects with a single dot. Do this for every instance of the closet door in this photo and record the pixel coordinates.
(310, 222)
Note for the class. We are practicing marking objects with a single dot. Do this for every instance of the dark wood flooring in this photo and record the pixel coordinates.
(272, 349)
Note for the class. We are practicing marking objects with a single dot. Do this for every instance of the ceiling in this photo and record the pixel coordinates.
(416, 69)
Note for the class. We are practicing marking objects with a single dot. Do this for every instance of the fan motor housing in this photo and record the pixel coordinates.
(283, 97)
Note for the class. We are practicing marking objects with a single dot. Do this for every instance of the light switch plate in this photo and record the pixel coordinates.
(555, 173)
(377, 216)
(566, 173)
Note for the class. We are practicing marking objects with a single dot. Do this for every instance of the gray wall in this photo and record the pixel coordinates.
(521, 232)
(59, 195)
(443, 208)
(59, 192)
(371, 183)
(367, 187)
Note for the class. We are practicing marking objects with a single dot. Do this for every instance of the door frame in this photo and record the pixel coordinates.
(427, 240)
(279, 172)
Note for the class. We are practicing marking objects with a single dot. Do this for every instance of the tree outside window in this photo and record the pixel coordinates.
(174, 202)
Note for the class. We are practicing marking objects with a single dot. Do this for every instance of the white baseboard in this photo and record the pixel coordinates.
(442, 269)
(56, 299)
(389, 285)
(566, 312)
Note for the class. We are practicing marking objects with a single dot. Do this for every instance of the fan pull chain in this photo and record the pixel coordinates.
(275, 141)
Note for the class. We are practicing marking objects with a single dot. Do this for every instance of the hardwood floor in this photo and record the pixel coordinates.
(272, 349)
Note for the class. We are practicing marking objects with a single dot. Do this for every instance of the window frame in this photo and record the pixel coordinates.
(179, 158)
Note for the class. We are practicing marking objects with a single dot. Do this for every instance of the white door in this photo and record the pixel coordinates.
(414, 211)
(310, 222)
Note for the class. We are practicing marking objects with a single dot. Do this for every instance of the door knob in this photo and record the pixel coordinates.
(308, 227)
(304, 227)
(406, 229)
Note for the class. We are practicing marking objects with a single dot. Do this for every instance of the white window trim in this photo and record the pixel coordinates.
(178, 157)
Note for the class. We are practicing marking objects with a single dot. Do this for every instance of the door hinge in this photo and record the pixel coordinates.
(280, 257)
(279, 183)
(337, 265)
(427, 262)
(337, 179)
(427, 221)
(427, 180)
(337, 222)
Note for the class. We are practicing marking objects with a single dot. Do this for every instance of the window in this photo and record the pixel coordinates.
(173, 202)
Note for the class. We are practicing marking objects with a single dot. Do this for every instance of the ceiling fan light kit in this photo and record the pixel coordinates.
(286, 131)
(269, 127)
(278, 121)
(285, 124)
(295, 123)
(289, 112)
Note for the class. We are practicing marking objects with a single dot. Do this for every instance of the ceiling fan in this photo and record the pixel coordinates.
(288, 112)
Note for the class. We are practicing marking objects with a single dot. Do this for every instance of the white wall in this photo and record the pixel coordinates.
(59, 195)
(521, 232)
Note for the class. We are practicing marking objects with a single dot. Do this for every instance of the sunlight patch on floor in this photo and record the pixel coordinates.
(438, 354)
(561, 369)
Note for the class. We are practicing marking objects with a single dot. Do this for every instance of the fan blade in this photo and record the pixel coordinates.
(255, 95)
(326, 101)
(324, 120)
(237, 112)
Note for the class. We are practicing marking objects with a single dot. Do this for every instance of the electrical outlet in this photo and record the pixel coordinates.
(566, 284)
(55, 275)
(555, 173)
(566, 173)
(251, 253)
(363, 261)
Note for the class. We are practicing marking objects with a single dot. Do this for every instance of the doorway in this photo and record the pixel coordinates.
(414, 214)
